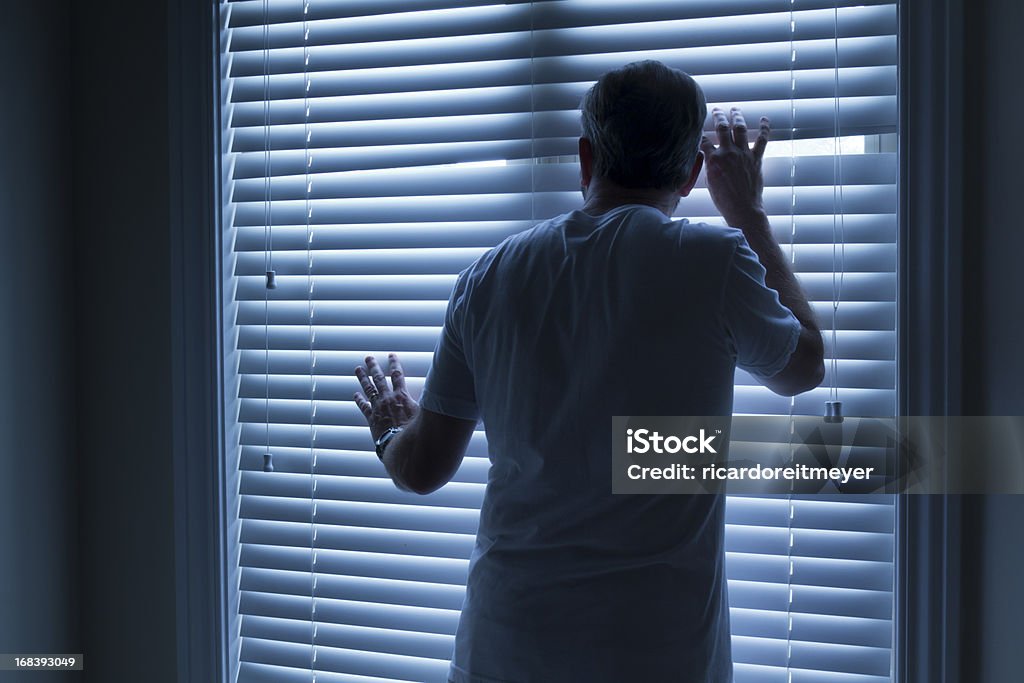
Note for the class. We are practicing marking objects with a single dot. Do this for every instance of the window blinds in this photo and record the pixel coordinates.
(373, 149)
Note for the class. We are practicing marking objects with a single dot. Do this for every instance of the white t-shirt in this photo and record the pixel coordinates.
(546, 337)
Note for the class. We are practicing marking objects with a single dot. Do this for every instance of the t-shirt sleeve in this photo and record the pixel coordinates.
(764, 332)
(448, 388)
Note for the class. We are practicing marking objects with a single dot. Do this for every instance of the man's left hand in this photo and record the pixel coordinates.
(381, 405)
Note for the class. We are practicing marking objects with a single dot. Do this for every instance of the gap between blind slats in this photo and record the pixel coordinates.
(440, 155)
(855, 169)
(497, 117)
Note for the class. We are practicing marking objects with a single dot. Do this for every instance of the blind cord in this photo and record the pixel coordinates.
(308, 214)
(533, 123)
(268, 457)
(834, 407)
(792, 400)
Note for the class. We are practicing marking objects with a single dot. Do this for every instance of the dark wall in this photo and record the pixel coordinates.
(38, 536)
(86, 513)
(993, 370)
(123, 336)
(994, 279)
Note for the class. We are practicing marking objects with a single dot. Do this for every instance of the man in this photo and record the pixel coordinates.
(612, 309)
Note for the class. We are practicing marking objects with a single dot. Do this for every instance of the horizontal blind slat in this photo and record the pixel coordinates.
(358, 638)
(337, 537)
(371, 489)
(554, 112)
(811, 628)
(405, 515)
(857, 228)
(338, 660)
(859, 258)
(252, 672)
(509, 37)
(252, 12)
(842, 599)
(381, 565)
(491, 207)
(551, 54)
(567, 34)
(300, 387)
(412, 81)
(365, 589)
(758, 673)
(330, 611)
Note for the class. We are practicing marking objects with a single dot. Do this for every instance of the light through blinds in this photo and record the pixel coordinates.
(374, 149)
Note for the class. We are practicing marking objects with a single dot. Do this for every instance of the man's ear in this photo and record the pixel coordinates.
(698, 164)
(586, 162)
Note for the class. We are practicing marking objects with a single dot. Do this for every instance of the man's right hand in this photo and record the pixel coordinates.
(734, 169)
(735, 184)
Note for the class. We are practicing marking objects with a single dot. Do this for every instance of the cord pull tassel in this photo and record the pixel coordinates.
(268, 462)
(271, 280)
(833, 411)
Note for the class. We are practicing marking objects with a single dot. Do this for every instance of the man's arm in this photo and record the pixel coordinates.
(425, 455)
(735, 184)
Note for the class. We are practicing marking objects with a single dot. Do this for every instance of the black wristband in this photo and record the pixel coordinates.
(384, 439)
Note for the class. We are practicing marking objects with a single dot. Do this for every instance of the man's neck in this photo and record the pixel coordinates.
(602, 195)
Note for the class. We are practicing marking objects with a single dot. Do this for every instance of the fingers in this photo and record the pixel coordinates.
(396, 371)
(721, 122)
(364, 406)
(381, 406)
(374, 383)
(732, 131)
(739, 127)
(364, 382)
(762, 138)
(706, 145)
(376, 374)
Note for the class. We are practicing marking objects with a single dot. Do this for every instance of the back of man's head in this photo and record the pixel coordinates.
(644, 124)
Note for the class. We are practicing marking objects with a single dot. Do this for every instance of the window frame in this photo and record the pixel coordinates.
(930, 317)
(197, 446)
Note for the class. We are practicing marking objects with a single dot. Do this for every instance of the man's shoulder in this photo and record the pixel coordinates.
(696, 237)
(706, 246)
(711, 234)
(527, 239)
(510, 250)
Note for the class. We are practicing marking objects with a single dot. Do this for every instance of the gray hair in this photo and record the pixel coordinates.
(644, 124)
